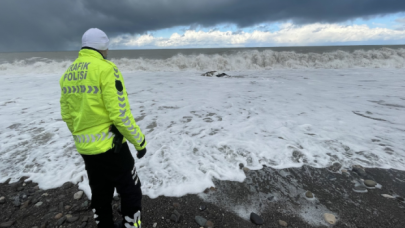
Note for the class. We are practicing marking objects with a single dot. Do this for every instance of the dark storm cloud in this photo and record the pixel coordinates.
(37, 25)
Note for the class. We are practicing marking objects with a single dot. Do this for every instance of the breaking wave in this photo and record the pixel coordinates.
(243, 60)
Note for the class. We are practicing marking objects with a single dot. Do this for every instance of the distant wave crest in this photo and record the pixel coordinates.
(243, 60)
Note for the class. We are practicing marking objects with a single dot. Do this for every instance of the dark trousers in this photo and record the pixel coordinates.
(108, 171)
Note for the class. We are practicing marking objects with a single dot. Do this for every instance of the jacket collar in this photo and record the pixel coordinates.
(88, 51)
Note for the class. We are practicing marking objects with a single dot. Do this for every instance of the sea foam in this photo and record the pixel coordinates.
(199, 128)
(243, 60)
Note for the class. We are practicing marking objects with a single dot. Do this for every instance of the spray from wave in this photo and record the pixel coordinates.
(243, 60)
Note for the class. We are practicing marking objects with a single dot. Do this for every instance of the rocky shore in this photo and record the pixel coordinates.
(297, 197)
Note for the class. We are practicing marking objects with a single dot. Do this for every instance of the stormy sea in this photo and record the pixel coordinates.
(299, 136)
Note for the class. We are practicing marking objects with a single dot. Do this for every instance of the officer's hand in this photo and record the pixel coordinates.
(141, 153)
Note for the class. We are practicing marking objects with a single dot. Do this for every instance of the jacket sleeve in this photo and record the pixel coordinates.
(65, 112)
(116, 102)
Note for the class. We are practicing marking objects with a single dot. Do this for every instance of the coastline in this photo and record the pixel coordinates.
(273, 194)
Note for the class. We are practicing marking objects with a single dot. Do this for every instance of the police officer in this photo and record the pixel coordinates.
(94, 105)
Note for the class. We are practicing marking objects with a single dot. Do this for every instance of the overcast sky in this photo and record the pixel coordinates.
(44, 25)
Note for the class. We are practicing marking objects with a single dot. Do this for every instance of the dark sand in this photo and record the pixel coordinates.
(273, 194)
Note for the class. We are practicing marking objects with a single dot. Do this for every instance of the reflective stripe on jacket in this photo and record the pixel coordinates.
(93, 96)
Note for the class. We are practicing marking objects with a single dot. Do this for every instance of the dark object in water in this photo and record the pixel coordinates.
(221, 75)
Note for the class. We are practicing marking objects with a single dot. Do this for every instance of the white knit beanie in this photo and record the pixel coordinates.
(95, 38)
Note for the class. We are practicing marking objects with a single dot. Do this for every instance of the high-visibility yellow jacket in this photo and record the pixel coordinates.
(93, 96)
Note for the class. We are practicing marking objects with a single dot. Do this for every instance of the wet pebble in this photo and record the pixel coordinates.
(176, 216)
(61, 221)
(72, 219)
(78, 195)
(67, 185)
(84, 224)
(154, 225)
(44, 224)
(209, 224)
(173, 218)
(256, 219)
(246, 169)
(202, 207)
(25, 204)
(38, 204)
(329, 218)
(360, 189)
(85, 204)
(58, 216)
(388, 196)
(16, 201)
(335, 167)
(241, 166)
(359, 171)
(2, 200)
(200, 220)
(282, 223)
(370, 183)
(309, 194)
(36, 200)
(176, 205)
